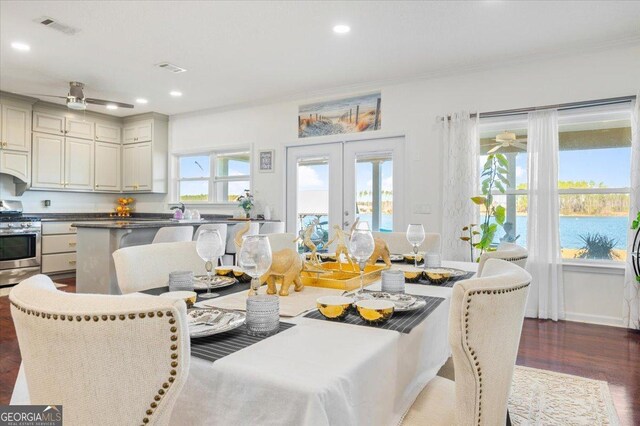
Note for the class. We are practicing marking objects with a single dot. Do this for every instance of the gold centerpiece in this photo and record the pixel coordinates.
(124, 207)
(339, 275)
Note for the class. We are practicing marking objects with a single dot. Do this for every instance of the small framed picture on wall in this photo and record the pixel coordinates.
(266, 160)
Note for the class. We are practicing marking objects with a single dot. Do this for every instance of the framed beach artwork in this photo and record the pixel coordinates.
(265, 160)
(348, 115)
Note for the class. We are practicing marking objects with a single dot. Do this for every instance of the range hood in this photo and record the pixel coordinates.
(18, 180)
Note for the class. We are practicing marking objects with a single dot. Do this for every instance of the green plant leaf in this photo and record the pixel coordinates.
(466, 228)
(503, 170)
(502, 160)
(504, 180)
(635, 224)
(479, 200)
(500, 214)
(499, 186)
(475, 233)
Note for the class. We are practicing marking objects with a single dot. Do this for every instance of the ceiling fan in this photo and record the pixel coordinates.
(507, 139)
(76, 99)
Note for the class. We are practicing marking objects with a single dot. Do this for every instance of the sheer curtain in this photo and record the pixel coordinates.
(631, 305)
(460, 149)
(546, 298)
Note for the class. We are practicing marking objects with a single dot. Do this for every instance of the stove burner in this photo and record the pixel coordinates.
(19, 218)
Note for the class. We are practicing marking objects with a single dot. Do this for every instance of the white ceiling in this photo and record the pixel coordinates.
(248, 52)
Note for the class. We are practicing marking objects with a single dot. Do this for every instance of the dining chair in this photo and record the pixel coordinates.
(282, 241)
(272, 228)
(173, 234)
(107, 359)
(148, 266)
(254, 229)
(220, 227)
(485, 322)
(510, 252)
(398, 244)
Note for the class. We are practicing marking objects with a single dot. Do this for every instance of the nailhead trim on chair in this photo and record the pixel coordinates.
(141, 315)
(514, 259)
(471, 351)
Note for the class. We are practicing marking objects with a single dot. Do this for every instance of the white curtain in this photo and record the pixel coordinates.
(631, 305)
(460, 148)
(546, 298)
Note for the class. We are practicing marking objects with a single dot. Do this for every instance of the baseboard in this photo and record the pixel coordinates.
(586, 318)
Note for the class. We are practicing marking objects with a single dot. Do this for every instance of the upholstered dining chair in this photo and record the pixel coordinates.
(272, 228)
(107, 359)
(398, 244)
(510, 252)
(220, 227)
(254, 228)
(485, 322)
(281, 241)
(173, 234)
(148, 266)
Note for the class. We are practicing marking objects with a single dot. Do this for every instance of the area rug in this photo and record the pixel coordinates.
(541, 397)
(4, 291)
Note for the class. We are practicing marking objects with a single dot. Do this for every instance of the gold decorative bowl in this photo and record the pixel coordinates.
(223, 270)
(375, 310)
(334, 307)
(412, 275)
(410, 258)
(328, 257)
(189, 297)
(239, 275)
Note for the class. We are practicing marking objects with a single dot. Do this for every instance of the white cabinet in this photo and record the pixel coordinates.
(48, 123)
(16, 123)
(58, 247)
(107, 133)
(15, 163)
(78, 164)
(107, 166)
(137, 170)
(79, 128)
(48, 161)
(141, 131)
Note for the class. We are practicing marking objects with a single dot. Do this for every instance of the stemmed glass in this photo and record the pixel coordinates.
(415, 236)
(361, 247)
(208, 247)
(255, 259)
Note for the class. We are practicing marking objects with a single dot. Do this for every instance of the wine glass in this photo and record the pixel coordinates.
(361, 247)
(255, 258)
(415, 236)
(208, 247)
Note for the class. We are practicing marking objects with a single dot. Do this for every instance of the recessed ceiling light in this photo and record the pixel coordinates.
(23, 47)
(341, 29)
(141, 101)
(110, 106)
(175, 93)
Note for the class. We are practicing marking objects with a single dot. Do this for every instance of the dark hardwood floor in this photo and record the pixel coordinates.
(598, 352)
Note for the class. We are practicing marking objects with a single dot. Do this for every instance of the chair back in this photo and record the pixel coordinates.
(485, 322)
(140, 268)
(107, 359)
(398, 244)
(220, 227)
(272, 228)
(173, 234)
(510, 252)
(254, 228)
(282, 241)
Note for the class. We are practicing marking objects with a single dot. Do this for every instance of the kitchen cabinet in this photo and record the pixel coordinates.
(48, 161)
(16, 124)
(141, 131)
(79, 128)
(60, 123)
(107, 166)
(78, 170)
(137, 167)
(48, 123)
(16, 163)
(58, 247)
(107, 133)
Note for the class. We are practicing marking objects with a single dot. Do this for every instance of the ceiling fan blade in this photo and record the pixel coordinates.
(104, 102)
(48, 96)
(520, 145)
(494, 149)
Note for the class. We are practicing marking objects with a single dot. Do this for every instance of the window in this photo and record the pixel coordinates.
(593, 180)
(213, 177)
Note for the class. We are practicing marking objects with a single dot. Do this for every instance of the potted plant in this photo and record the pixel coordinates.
(635, 249)
(246, 202)
(494, 176)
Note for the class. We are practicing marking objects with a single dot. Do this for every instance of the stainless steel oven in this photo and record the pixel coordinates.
(19, 244)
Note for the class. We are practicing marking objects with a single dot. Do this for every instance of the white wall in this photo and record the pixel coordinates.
(411, 108)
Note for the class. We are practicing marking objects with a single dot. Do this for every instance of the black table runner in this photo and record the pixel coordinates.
(235, 288)
(449, 283)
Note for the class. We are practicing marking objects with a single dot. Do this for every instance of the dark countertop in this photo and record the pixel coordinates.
(134, 223)
(48, 217)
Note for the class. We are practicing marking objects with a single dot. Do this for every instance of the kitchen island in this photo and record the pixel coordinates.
(98, 239)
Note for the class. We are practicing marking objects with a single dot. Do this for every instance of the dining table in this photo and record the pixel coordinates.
(321, 372)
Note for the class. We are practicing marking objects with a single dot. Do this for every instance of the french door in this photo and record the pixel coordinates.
(334, 183)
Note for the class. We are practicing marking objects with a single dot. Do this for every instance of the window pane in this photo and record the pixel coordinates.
(313, 199)
(595, 154)
(194, 190)
(513, 144)
(194, 166)
(228, 192)
(374, 191)
(594, 226)
(234, 164)
(515, 226)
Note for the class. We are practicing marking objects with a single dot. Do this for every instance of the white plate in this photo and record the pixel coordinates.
(215, 321)
(200, 282)
(403, 302)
